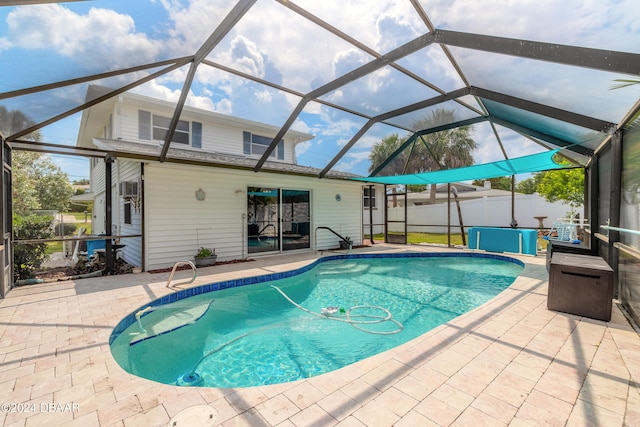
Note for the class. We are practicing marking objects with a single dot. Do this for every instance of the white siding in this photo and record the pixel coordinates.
(97, 175)
(97, 187)
(127, 123)
(128, 170)
(176, 224)
(216, 137)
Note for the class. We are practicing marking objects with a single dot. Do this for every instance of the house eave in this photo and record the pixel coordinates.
(151, 152)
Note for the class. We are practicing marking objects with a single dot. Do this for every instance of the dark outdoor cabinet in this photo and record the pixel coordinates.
(555, 246)
(580, 285)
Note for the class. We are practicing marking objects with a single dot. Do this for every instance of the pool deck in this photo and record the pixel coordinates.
(509, 362)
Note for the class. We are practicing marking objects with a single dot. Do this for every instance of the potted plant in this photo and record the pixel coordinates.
(205, 257)
(346, 243)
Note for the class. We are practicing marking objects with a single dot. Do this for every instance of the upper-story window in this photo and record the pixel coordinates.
(256, 144)
(155, 127)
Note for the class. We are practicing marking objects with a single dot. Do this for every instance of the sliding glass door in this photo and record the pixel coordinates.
(277, 219)
(263, 215)
(296, 220)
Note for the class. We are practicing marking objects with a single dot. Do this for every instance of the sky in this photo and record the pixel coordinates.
(50, 42)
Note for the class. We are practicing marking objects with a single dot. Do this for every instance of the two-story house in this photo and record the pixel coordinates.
(206, 194)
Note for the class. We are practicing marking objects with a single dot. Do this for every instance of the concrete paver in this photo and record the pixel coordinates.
(508, 362)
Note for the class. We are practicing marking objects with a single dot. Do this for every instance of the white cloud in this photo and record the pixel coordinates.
(591, 23)
(391, 29)
(381, 25)
(244, 55)
(190, 26)
(303, 147)
(100, 37)
(352, 160)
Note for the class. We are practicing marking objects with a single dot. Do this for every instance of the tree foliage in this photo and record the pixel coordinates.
(13, 121)
(527, 186)
(566, 185)
(436, 151)
(498, 183)
(38, 183)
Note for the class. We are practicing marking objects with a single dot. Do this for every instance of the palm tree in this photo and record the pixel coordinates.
(626, 82)
(381, 152)
(446, 149)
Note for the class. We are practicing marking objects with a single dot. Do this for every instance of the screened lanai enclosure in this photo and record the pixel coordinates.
(377, 84)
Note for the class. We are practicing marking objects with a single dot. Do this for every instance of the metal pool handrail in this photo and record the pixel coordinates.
(327, 228)
(173, 270)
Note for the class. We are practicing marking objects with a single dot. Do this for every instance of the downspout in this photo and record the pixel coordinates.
(142, 221)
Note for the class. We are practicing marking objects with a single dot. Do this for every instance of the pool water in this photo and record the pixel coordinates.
(256, 335)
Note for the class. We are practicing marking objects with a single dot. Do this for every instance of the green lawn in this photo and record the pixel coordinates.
(57, 246)
(435, 238)
(53, 247)
(79, 216)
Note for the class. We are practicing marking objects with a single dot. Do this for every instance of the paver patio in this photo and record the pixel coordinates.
(508, 362)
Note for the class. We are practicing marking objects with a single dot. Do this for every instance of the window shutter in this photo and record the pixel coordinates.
(281, 150)
(196, 135)
(246, 142)
(144, 125)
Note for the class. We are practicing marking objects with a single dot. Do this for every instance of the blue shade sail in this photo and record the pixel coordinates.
(526, 164)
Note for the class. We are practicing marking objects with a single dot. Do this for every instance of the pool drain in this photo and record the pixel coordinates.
(195, 416)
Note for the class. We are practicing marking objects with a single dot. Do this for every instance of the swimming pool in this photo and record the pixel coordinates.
(302, 323)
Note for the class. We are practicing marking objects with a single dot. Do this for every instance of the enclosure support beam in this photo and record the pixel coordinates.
(615, 198)
(425, 132)
(545, 110)
(547, 138)
(346, 148)
(386, 59)
(216, 37)
(599, 59)
(594, 190)
(108, 162)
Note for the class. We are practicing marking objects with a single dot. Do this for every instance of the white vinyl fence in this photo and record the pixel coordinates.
(486, 211)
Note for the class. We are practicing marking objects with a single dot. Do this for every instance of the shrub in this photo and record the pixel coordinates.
(27, 257)
(67, 229)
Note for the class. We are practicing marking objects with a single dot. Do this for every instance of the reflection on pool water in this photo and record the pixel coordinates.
(335, 312)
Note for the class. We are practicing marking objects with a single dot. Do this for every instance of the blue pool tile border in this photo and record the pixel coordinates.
(130, 319)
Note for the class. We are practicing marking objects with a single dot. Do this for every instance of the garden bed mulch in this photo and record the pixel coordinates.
(186, 267)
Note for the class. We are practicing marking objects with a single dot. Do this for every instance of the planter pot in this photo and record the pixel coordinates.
(206, 261)
(344, 245)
